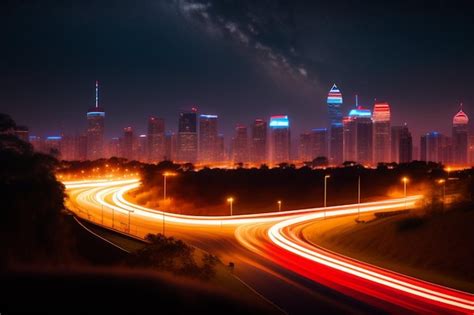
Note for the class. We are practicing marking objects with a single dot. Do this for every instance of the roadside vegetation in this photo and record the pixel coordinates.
(171, 255)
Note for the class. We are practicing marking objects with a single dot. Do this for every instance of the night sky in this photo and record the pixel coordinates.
(239, 59)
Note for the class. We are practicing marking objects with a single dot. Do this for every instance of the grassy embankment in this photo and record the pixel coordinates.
(437, 248)
(224, 282)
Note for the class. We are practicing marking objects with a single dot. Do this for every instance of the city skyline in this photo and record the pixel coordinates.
(283, 65)
(363, 135)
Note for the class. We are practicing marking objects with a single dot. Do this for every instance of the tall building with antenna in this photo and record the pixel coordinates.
(95, 129)
(334, 102)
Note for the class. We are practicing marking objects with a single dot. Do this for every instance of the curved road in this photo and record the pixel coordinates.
(271, 256)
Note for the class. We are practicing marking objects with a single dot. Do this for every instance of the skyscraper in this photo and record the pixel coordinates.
(431, 147)
(258, 145)
(381, 132)
(155, 139)
(334, 102)
(279, 139)
(396, 132)
(405, 146)
(187, 136)
(141, 152)
(349, 139)
(208, 138)
(357, 135)
(240, 145)
(305, 153)
(460, 138)
(319, 141)
(95, 129)
(401, 145)
(170, 146)
(127, 145)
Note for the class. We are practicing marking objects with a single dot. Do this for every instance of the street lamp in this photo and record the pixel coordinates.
(358, 198)
(279, 205)
(325, 192)
(405, 180)
(230, 200)
(443, 182)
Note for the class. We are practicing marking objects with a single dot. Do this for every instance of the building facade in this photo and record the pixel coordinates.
(208, 138)
(336, 138)
(381, 132)
(280, 141)
(187, 141)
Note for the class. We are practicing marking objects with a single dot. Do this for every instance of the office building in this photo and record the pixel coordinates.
(280, 142)
(381, 132)
(155, 140)
(95, 129)
(187, 141)
(208, 138)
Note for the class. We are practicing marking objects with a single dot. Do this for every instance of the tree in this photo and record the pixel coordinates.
(32, 200)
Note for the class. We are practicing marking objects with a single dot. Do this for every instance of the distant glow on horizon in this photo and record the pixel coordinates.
(279, 121)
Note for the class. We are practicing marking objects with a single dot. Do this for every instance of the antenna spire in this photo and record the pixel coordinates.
(357, 101)
(96, 94)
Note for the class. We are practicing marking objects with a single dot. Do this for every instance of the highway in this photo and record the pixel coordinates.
(271, 256)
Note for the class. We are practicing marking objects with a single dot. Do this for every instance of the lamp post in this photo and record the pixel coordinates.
(405, 180)
(325, 193)
(358, 198)
(279, 205)
(443, 182)
(230, 200)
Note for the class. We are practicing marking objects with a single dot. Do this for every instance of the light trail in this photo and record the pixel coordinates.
(274, 237)
(281, 234)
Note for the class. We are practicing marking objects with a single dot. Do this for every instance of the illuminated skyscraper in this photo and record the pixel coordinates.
(334, 102)
(187, 136)
(279, 139)
(357, 135)
(258, 145)
(431, 147)
(127, 145)
(155, 140)
(460, 138)
(240, 145)
(208, 138)
(95, 129)
(381, 132)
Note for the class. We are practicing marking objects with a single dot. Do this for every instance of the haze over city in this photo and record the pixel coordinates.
(239, 61)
